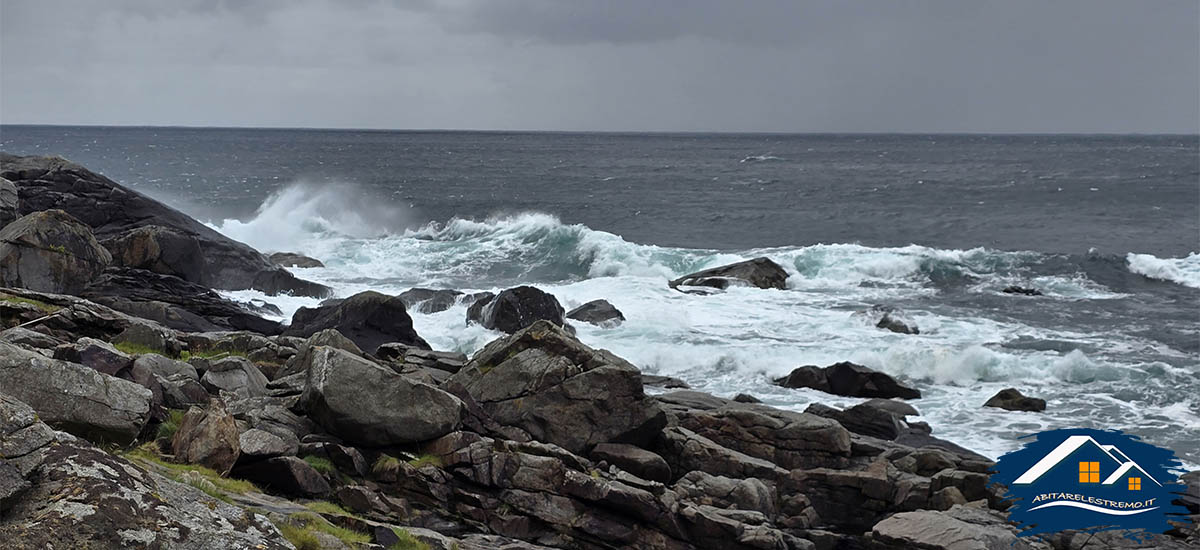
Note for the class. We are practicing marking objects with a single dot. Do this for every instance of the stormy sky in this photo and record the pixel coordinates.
(613, 65)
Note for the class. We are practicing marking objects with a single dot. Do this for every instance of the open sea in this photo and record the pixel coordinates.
(1107, 227)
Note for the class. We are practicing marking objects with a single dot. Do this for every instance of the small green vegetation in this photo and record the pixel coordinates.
(322, 465)
(427, 460)
(167, 429)
(58, 248)
(130, 348)
(300, 537)
(43, 306)
(312, 523)
(386, 464)
(407, 541)
(326, 507)
(202, 478)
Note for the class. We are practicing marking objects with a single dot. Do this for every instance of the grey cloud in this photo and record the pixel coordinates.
(1069, 66)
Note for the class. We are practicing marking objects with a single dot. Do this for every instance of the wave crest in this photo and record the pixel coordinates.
(1184, 271)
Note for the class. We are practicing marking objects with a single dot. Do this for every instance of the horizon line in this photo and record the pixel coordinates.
(615, 132)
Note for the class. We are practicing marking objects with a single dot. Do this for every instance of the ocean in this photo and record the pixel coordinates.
(1107, 227)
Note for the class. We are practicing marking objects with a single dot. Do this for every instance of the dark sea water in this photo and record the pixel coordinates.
(1108, 227)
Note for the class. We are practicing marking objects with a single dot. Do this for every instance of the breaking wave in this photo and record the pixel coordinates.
(1184, 271)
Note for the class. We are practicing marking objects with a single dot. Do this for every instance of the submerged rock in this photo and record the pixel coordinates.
(292, 259)
(759, 272)
(847, 379)
(50, 251)
(427, 300)
(515, 309)
(1010, 399)
(597, 312)
(546, 382)
(367, 318)
(1014, 289)
(888, 318)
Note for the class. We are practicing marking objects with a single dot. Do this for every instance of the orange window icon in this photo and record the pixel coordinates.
(1089, 472)
(1135, 484)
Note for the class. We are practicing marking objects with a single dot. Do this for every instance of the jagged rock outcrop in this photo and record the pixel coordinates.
(759, 272)
(547, 383)
(370, 405)
(111, 209)
(847, 379)
(75, 398)
(8, 202)
(50, 251)
(159, 249)
(597, 312)
(172, 301)
(516, 308)
(59, 492)
(368, 318)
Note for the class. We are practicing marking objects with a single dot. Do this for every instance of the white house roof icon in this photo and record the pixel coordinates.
(1072, 444)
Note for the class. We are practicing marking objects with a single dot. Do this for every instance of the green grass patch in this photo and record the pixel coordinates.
(58, 248)
(42, 306)
(427, 460)
(130, 348)
(205, 479)
(322, 465)
(386, 464)
(214, 354)
(326, 507)
(171, 425)
(407, 541)
(302, 538)
(314, 522)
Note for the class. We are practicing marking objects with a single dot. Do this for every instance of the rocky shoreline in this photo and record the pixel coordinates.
(140, 409)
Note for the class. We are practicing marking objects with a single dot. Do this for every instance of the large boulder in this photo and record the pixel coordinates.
(98, 355)
(8, 202)
(158, 249)
(57, 491)
(73, 397)
(236, 375)
(50, 251)
(847, 379)
(597, 312)
(515, 309)
(1010, 399)
(367, 318)
(207, 436)
(111, 209)
(546, 382)
(759, 272)
(369, 405)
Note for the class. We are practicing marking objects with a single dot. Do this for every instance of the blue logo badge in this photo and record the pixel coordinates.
(1090, 480)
